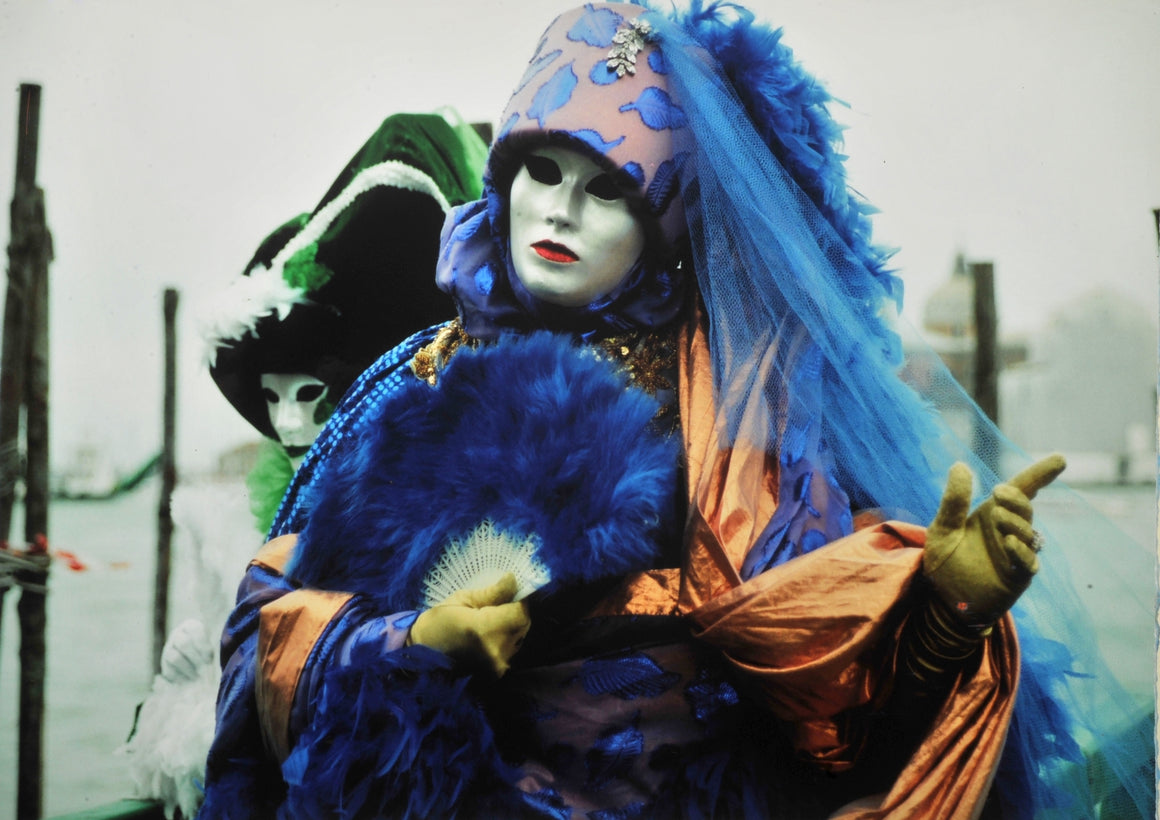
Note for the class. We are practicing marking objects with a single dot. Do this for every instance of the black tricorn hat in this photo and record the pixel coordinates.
(326, 293)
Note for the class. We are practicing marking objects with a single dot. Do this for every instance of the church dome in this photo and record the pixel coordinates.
(950, 310)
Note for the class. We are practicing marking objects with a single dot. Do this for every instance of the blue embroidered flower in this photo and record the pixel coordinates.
(404, 621)
(548, 803)
(666, 182)
(537, 65)
(508, 126)
(467, 229)
(594, 140)
(613, 754)
(601, 74)
(812, 539)
(634, 170)
(657, 110)
(656, 61)
(801, 492)
(708, 693)
(554, 94)
(627, 675)
(623, 813)
(794, 441)
(765, 555)
(596, 28)
(485, 279)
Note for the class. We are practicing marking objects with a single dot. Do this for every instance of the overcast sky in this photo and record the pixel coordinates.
(175, 135)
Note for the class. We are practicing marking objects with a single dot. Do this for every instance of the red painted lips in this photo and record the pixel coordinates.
(554, 252)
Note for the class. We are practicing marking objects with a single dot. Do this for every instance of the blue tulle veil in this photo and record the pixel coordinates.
(807, 353)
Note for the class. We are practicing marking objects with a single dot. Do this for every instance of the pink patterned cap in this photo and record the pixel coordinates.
(597, 83)
(599, 80)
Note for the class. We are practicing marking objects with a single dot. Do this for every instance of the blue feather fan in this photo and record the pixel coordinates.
(535, 436)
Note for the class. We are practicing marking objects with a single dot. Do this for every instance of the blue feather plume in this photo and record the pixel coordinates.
(789, 108)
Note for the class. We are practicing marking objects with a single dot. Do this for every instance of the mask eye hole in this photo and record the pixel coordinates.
(270, 395)
(602, 187)
(309, 392)
(543, 170)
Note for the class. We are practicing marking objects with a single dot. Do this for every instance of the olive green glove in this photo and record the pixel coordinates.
(980, 564)
(479, 628)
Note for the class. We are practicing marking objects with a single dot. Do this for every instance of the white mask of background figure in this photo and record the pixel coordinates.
(573, 236)
(292, 400)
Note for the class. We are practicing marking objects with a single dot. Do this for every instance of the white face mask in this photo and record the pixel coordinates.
(292, 400)
(573, 237)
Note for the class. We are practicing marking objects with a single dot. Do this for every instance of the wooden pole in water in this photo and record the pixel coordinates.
(34, 583)
(168, 481)
(20, 251)
(33, 622)
(37, 242)
(986, 387)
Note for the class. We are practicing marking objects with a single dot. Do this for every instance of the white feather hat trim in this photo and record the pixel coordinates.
(250, 298)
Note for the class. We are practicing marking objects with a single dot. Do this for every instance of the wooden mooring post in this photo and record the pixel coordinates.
(168, 481)
(14, 344)
(24, 390)
(986, 386)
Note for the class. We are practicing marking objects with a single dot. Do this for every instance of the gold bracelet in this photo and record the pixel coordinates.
(935, 645)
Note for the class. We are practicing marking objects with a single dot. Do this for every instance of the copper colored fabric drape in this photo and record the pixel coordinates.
(288, 629)
(816, 635)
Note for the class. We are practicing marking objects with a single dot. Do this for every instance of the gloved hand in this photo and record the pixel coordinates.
(980, 565)
(479, 628)
(186, 652)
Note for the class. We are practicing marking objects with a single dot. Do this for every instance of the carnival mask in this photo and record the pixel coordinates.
(292, 400)
(573, 236)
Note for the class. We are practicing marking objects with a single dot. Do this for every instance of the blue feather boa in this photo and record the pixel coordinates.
(398, 735)
(535, 434)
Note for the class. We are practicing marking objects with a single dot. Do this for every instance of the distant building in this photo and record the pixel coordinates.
(948, 324)
(948, 327)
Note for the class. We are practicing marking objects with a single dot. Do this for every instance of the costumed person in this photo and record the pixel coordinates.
(324, 295)
(654, 528)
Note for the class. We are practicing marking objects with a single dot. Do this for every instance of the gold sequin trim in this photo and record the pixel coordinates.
(650, 361)
(429, 360)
